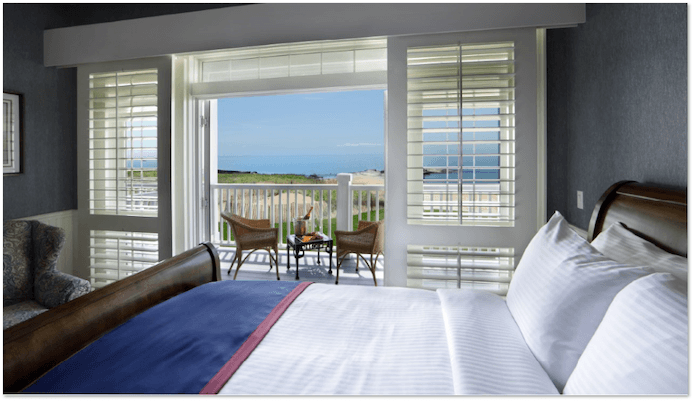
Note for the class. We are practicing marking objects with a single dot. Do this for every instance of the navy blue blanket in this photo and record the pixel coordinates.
(174, 347)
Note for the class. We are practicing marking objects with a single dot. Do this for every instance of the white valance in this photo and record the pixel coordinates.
(261, 24)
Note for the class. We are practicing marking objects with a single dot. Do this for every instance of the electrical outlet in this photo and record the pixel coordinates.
(579, 199)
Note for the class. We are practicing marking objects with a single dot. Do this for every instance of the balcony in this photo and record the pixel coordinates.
(335, 206)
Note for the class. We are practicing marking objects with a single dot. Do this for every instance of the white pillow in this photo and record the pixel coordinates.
(559, 294)
(623, 246)
(641, 346)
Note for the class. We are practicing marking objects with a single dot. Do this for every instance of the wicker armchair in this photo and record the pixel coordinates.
(252, 235)
(368, 239)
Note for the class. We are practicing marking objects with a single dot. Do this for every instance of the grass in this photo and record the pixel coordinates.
(146, 173)
(355, 220)
(273, 179)
(245, 178)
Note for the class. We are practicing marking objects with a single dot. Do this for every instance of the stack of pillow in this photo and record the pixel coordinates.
(607, 317)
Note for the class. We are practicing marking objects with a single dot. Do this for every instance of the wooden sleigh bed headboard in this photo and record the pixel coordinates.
(33, 347)
(657, 214)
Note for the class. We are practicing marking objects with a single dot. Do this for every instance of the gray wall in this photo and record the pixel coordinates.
(49, 177)
(617, 103)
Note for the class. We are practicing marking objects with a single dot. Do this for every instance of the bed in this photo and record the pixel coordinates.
(565, 317)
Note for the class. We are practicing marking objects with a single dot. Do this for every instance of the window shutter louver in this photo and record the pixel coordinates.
(123, 143)
(115, 255)
(461, 144)
(480, 268)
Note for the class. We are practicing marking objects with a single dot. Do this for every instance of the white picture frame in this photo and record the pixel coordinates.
(11, 133)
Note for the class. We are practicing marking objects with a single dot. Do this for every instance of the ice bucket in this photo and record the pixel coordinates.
(300, 227)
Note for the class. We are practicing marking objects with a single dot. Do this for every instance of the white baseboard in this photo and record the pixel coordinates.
(66, 220)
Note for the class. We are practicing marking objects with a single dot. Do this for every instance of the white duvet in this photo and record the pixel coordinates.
(392, 341)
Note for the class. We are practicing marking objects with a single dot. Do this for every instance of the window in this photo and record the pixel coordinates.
(314, 66)
(295, 60)
(461, 134)
(123, 143)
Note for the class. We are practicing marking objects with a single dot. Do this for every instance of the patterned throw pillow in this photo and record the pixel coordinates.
(48, 242)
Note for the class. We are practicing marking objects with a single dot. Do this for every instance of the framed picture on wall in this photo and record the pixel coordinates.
(11, 132)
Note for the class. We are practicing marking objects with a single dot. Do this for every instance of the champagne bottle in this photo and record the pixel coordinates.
(308, 215)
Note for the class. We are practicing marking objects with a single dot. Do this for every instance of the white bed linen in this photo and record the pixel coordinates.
(391, 341)
(351, 341)
(489, 354)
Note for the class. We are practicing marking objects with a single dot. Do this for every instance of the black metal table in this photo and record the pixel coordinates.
(299, 247)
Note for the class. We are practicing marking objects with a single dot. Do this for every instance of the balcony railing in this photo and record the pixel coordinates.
(335, 206)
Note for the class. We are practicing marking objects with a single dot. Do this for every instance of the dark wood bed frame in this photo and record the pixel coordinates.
(33, 347)
(657, 214)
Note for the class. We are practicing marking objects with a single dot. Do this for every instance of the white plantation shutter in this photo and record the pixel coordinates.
(295, 60)
(123, 143)
(479, 268)
(124, 148)
(461, 132)
(115, 255)
(466, 96)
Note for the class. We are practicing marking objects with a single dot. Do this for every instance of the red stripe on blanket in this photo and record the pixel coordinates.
(227, 371)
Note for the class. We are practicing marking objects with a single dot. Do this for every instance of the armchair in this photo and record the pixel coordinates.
(252, 235)
(31, 283)
(368, 239)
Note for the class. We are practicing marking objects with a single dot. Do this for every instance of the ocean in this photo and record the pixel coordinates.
(326, 166)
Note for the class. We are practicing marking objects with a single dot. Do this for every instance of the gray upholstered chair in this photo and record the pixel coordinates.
(30, 282)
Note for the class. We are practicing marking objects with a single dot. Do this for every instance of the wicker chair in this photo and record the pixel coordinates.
(252, 235)
(368, 239)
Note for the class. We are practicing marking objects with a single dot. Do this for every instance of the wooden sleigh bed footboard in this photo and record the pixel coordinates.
(33, 347)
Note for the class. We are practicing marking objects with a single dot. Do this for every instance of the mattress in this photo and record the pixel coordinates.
(392, 341)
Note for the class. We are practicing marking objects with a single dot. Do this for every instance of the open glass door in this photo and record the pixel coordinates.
(206, 165)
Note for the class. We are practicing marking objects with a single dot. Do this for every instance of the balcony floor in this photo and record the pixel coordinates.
(257, 267)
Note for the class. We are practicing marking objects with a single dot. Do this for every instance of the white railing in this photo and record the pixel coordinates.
(367, 199)
(283, 203)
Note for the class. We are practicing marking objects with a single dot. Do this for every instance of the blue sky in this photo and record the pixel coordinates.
(329, 123)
